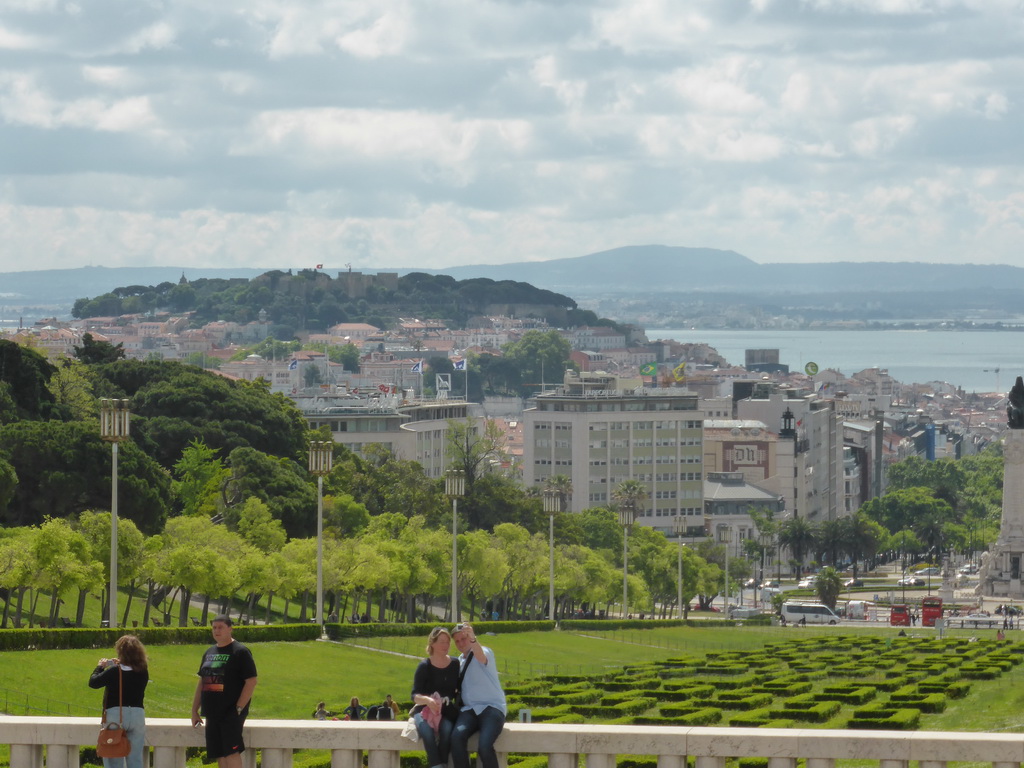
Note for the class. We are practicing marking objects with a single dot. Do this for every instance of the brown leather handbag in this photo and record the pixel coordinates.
(112, 741)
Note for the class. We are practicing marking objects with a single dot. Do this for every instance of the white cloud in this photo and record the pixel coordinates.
(111, 77)
(324, 137)
(244, 131)
(154, 37)
(13, 40)
(23, 102)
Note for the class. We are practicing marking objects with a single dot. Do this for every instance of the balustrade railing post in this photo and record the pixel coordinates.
(168, 757)
(276, 758)
(595, 760)
(60, 756)
(27, 755)
(670, 761)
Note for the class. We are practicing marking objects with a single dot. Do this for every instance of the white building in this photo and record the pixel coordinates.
(600, 435)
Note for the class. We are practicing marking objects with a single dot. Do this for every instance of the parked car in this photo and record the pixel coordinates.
(910, 581)
(853, 583)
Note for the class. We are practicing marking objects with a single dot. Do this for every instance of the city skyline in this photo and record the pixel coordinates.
(434, 135)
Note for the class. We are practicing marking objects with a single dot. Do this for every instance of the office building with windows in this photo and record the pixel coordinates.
(599, 435)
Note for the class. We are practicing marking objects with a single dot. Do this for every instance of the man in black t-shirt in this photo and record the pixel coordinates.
(227, 678)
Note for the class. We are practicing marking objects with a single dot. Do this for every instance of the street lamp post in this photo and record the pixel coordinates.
(114, 422)
(454, 487)
(627, 516)
(728, 530)
(321, 459)
(552, 506)
(679, 528)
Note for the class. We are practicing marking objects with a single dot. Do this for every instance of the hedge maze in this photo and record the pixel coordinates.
(821, 681)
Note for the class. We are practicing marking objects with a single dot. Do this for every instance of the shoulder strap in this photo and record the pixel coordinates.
(462, 672)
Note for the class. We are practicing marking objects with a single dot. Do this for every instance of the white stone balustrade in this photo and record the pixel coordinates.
(53, 742)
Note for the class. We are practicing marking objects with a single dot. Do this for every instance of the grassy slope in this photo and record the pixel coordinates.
(293, 677)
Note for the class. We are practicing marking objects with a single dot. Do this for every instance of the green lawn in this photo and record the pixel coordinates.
(294, 676)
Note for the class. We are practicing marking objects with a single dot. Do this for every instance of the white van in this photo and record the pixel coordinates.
(807, 613)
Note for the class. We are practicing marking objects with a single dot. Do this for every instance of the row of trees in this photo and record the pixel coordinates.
(931, 508)
(397, 567)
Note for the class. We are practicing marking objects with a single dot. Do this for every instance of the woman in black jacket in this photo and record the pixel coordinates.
(124, 679)
(434, 686)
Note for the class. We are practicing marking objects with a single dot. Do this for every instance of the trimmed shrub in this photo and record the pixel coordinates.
(958, 690)
(858, 695)
(62, 639)
(631, 707)
(784, 689)
(550, 700)
(694, 689)
(549, 714)
(926, 702)
(528, 761)
(703, 716)
(808, 712)
(742, 702)
(886, 719)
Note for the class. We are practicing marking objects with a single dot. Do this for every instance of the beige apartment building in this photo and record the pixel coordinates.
(599, 435)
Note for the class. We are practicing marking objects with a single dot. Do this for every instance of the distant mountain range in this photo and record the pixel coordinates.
(641, 270)
(662, 268)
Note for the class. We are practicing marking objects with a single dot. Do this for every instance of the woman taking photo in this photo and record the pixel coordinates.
(124, 679)
(433, 692)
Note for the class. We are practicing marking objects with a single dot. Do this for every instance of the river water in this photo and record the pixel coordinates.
(967, 359)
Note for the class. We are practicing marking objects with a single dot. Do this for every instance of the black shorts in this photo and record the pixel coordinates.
(224, 734)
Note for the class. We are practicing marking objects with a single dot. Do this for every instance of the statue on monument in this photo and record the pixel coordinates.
(1015, 406)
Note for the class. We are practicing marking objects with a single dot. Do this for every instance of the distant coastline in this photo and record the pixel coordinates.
(979, 361)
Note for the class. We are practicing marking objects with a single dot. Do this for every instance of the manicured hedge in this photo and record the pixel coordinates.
(350, 631)
(551, 700)
(847, 695)
(746, 702)
(926, 702)
(59, 639)
(886, 719)
(807, 711)
(702, 716)
(631, 707)
(606, 625)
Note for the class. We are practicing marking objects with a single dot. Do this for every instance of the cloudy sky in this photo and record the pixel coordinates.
(400, 133)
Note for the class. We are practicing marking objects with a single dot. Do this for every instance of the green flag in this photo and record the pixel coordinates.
(649, 369)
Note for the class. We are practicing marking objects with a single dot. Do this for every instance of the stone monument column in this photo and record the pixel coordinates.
(1001, 570)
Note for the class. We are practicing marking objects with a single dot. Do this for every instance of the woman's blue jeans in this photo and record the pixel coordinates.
(436, 745)
(134, 719)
